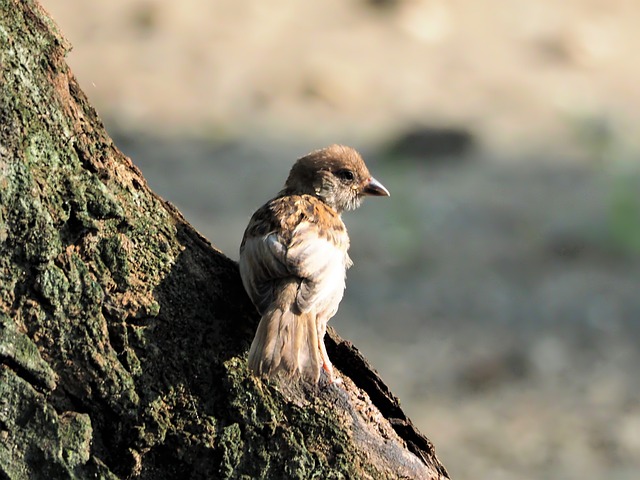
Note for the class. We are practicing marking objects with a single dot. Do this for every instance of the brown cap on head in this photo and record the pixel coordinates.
(337, 174)
(331, 158)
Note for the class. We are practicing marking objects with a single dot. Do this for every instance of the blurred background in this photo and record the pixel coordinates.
(498, 290)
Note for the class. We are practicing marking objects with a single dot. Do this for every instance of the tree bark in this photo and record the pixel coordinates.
(124, 333)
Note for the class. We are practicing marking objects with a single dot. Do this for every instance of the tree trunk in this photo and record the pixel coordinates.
(124, 333)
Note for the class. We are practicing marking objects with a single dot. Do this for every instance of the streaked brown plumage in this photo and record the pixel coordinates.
(293, 260)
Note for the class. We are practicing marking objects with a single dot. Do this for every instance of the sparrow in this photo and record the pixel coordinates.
(293, 261)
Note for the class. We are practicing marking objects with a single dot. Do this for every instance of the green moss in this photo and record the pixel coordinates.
(27, 221)
(231, 446)
(19, 348)
(53, 285)
(153, 309)
(116, 258)
(159, 414)
(85, 285)
(75, 439)
(101, 204)
(39, 443)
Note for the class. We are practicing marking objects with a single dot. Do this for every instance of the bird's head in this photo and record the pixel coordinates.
(337, 175)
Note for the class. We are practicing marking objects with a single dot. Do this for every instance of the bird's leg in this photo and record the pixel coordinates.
(326, 363)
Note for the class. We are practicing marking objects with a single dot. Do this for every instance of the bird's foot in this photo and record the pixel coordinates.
(328, 368)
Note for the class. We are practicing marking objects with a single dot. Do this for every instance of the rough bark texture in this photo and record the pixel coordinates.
(124, 333)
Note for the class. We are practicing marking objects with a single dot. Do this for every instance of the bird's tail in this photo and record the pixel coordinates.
(286, 341)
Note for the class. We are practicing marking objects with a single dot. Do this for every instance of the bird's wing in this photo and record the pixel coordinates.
(319, 258)
(261, 264)
(295, 237)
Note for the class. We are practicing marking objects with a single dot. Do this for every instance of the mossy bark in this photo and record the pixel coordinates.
(124, 333)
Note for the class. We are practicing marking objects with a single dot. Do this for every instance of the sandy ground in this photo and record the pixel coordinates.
(497, 289)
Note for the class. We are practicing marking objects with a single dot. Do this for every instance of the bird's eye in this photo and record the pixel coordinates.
(346, 175)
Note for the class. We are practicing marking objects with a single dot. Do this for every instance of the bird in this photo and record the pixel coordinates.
(294, 258)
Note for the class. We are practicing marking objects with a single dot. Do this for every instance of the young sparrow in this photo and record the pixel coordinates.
(293, 260)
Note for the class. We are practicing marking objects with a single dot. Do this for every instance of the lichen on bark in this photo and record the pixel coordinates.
(123, 332)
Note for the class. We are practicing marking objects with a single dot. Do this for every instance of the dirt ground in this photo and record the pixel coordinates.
(497, 289)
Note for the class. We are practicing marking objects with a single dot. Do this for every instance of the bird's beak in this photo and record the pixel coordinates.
(375, 188)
